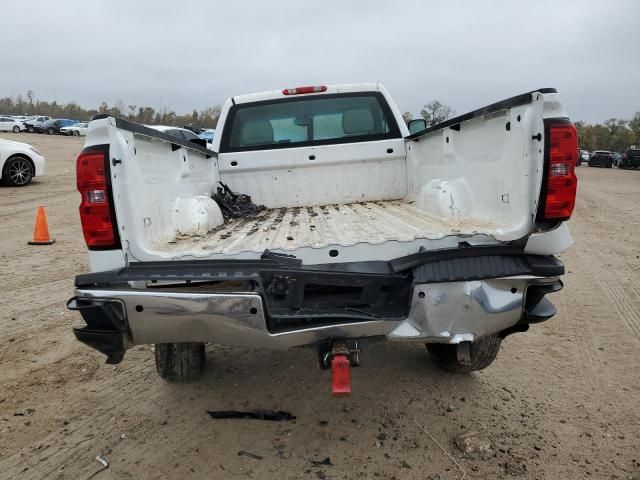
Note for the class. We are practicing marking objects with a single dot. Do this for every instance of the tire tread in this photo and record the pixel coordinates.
(179, 362)
(482, 352)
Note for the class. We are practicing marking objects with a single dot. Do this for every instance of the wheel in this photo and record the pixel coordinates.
(482, 353)
(76, 133)
(17, 172)
(590, 164)
(178, 362)
(16, 129)
(29, 129)
(50, 131)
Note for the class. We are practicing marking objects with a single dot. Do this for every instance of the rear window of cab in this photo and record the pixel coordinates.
(308, 120)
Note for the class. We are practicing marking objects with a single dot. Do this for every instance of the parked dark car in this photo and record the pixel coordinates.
(617, 158)
(601, 158)
(631, 158)
(53, 126)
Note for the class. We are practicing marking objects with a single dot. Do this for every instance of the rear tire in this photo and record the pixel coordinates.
(30, 129)
(50, 131)
(76, 133)
(180, 362)
(16, 129)
(482, 353)
(18, 171)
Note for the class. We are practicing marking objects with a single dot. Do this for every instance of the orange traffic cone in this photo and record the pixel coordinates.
(41, 233)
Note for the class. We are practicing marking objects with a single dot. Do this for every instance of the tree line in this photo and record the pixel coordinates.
(30, 105)
(615, 134)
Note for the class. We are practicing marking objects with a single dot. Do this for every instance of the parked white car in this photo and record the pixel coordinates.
(77, 129)
(19, 163)
(8, 124)
(181, 133)
(31, 124)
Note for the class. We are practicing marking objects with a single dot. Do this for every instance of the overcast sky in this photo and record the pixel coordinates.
(186, 54)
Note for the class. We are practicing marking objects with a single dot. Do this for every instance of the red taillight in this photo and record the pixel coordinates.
(303, 90)
(96, 211)
(561, 178)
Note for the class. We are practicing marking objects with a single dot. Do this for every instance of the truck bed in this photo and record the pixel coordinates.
(289, 229)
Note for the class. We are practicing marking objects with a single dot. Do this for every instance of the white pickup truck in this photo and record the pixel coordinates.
(317, 218)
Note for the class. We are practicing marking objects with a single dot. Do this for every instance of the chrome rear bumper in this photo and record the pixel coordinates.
(449, 312)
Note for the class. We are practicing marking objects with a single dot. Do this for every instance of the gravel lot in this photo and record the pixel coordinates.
(561, 401)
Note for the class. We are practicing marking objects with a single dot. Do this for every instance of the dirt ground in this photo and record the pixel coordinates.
(561, 401)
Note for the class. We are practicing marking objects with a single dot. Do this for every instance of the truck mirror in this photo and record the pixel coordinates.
(417, 125)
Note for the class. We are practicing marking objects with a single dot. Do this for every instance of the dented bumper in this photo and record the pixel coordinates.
(288, 306)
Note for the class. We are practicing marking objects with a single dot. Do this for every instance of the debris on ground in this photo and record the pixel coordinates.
(515, 468)
(272, 415)
(105, 464)
(244, 453)
(473, 443)
(326, 461)
(235, 205)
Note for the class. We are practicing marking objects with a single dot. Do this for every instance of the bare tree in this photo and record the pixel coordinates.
(435, 112)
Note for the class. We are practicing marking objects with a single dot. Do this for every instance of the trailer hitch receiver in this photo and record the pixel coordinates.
(339, 356)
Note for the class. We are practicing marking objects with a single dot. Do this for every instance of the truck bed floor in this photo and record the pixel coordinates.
(321, 226)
